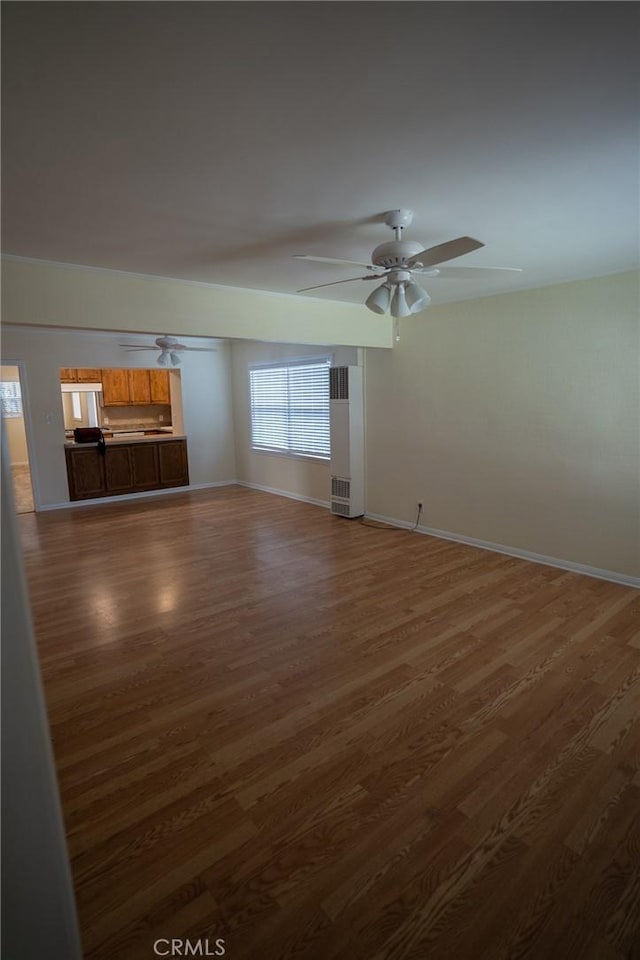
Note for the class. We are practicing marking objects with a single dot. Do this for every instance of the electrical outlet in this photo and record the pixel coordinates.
(161, 417)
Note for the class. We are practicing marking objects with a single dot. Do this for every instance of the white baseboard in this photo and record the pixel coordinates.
(143, 495)
(621, 578)
(283, 493)
(206, 486)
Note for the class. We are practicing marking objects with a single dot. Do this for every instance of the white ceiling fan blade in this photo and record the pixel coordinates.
(464, 273)
(353, 263)
(446, 251)
(128, 346)
(201, 349)
(371, 276)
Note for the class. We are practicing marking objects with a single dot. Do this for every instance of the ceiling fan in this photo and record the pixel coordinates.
(170, 350)
(398, 262)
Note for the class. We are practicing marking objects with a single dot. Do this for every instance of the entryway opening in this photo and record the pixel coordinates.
(16, 436)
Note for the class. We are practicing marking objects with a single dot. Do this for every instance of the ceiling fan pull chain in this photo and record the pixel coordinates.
(396, 329)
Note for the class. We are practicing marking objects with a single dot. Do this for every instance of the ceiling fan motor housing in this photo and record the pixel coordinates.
(396, 253)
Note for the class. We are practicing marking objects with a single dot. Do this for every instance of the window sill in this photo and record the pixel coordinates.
(287, 455)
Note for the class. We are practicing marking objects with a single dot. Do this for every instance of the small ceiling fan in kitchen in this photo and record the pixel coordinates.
(398, 262)
(169, 350)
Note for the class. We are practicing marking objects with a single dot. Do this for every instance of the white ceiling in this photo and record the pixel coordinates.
(212, 141)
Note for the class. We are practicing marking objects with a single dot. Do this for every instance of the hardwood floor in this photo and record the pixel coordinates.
(315, 738)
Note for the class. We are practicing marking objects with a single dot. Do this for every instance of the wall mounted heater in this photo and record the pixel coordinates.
(347, 441)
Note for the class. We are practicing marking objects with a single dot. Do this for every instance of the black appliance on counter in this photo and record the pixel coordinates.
(90, 435)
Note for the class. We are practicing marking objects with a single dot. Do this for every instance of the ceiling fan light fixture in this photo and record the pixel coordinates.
(399, 305)
(379, 300)
(416, 296)
(163, 358)
(175, 358)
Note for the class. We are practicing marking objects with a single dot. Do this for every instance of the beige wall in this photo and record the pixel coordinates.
(515, 419)
(206, 402)
(34, 292)
(298, 476)
(16, 440)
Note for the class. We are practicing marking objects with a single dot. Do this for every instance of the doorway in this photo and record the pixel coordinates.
(14, 429)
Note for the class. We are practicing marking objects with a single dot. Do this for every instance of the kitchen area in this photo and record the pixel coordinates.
(122, 431)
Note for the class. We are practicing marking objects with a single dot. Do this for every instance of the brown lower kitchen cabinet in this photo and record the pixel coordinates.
(172, 460)
(117, 470)
(85, 472)
(145, 470)
(126, 468)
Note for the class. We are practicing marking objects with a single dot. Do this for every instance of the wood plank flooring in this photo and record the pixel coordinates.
(316, 738)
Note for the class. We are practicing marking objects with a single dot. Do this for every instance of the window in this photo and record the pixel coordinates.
(290, 407)
(75, 403)
(10, 398)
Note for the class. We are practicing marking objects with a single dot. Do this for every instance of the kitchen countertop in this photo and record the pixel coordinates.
(157, 438)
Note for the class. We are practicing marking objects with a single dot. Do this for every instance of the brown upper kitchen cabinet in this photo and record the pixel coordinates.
(89, 375)
(115, 388)
(159, 385)
(125, 387)
(80, 375)
(139, 390)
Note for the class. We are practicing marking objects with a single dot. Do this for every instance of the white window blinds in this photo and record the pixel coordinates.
(290, 407)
